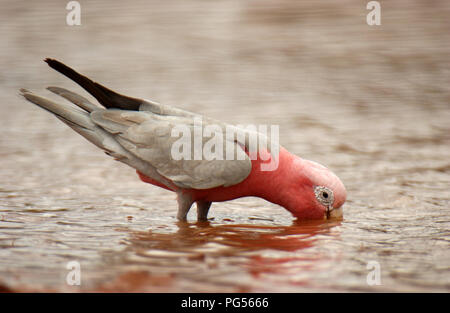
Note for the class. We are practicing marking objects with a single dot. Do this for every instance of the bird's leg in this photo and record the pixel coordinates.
(184, 205)
(202, 210)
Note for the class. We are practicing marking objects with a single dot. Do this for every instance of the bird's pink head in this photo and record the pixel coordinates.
(314, 192)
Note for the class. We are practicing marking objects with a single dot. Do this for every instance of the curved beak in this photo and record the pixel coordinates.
(334, 213)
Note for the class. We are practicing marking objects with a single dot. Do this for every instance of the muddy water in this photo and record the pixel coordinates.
(371, 103)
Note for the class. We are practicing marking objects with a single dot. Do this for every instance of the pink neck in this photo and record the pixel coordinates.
(269, 185)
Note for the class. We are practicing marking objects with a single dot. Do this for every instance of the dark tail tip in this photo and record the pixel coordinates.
(52, 62)
(105, 96)
(62, 68)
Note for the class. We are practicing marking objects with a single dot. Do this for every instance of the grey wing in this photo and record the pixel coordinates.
(149, 137)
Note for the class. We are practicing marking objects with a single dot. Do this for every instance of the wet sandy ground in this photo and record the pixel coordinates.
(371, 103)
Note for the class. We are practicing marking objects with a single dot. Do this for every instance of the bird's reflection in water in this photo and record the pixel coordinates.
(234, 254)
(192, 237)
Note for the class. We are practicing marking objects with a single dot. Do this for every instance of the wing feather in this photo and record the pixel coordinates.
(148, 136)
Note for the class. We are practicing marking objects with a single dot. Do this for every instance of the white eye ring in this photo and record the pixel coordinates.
(324, 195)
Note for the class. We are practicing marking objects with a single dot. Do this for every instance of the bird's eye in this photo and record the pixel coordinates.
(324, 195)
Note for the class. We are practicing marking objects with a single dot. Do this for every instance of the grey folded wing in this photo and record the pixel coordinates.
(148, 135)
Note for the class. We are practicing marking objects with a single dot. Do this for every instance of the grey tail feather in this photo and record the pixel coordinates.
(80, 121)
(75, 118)
(76, 99)
(107, 97)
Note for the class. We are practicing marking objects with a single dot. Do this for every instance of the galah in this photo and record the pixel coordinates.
(139, 133)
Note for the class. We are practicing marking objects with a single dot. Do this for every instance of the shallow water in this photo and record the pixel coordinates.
(371, 103)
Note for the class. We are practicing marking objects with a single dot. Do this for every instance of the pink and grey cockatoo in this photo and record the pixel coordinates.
(138, 133)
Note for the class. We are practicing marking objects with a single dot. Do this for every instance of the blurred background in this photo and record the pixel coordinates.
(372, 103)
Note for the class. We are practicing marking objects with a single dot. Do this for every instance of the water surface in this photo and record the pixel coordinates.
(371, 103)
